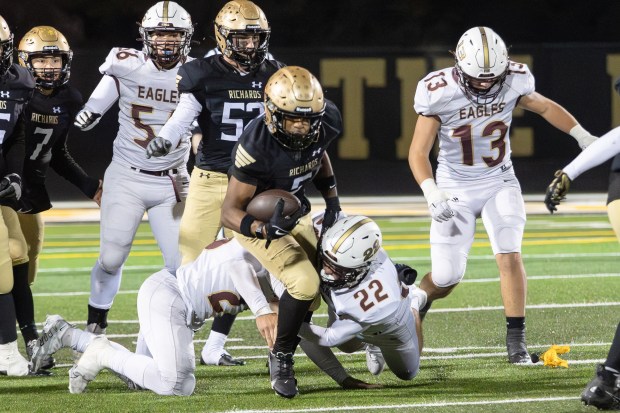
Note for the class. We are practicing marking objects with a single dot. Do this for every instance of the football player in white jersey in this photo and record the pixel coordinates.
(144, 84)
(367, 304)
(224, 279)
(469, 106)
(600, 151)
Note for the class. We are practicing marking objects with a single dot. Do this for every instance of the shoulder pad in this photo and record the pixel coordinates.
(121, 61)
(520, 78)
(21, 77)
(435, 91)
(191, 75)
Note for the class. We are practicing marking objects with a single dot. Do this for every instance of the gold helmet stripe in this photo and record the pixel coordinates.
(485, 49)
(165, 16)
(347, 234)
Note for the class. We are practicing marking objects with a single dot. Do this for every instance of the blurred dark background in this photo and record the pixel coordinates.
(569, 41)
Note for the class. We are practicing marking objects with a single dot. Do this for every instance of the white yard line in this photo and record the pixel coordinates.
(410, 405)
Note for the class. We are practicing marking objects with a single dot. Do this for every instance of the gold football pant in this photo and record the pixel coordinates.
(290, 259)
(13, 249)
(201, 219)
(613, 212)
(33, 229)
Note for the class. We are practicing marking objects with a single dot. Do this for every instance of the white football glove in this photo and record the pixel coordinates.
(437, 201)
(582, 136)
(86, 120)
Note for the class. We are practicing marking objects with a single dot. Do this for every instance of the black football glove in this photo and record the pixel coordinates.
(406, 274)
(332, 208)
(157, 147)
(557, 190)
(280, 225)
(10, 189)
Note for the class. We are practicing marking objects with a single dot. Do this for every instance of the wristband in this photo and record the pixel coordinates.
(428, 187)
(246, 226)
(325, 184)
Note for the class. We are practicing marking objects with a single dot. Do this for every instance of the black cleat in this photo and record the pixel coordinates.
(602, 391)
(515, 344)
(282, 375)
(225, 360)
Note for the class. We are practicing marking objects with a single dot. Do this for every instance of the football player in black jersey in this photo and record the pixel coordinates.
(45, 52)
(224, 92)
(16, 88)
(286, 149)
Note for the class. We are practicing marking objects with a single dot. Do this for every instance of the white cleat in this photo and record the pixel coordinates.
(374, 360)
(12, 363)
(49, 342)
(90, 364)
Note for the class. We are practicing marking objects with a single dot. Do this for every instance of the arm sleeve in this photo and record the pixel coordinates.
(63, 163)
(244, 279)
(180, 123)
(339, 332)
(599, 151)
(104, 95)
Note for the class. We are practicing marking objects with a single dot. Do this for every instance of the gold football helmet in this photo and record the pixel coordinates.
(166, 16)
(242, 18)
(46, 41)
(6, 47)
(293, 93)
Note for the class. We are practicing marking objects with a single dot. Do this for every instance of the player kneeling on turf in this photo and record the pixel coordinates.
(368, 306)
(224, 279)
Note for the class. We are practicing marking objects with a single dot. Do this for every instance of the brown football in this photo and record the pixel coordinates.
(262, 205)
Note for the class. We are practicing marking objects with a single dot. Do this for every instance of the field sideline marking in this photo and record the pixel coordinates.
(411, 405)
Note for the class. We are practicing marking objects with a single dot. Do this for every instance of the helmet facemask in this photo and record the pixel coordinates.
(291, 140)
(6, 55)
(477, 95)
(47, 77)
(248, 58)
(339, 276)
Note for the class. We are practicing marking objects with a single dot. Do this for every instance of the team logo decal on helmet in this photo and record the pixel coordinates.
(43, 41)
(481, 64)
(242, 18)
(166, 16)
(347, 250)
(6, 47)
(294, 93)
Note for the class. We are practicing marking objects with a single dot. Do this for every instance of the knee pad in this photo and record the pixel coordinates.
(186, 386)
(508, 235)
(111, 260)
(448, 265)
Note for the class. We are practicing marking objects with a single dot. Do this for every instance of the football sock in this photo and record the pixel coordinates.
(223, 324)
(290, 316)
(98, 316)
(515, 322)
(24, 305)
(78, 339)
(8, 333)
(613, 358)
(212, 351)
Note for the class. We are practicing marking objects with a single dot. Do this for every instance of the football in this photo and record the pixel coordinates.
(262, 205)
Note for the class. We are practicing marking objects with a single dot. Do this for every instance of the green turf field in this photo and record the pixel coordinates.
(573, 298)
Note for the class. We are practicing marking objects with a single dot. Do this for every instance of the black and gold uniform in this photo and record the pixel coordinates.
(229, 101)
(16, 88)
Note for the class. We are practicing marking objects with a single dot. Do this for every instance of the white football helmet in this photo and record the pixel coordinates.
(166, 16)
(482, 64)
(347, 250)
(6, 47)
